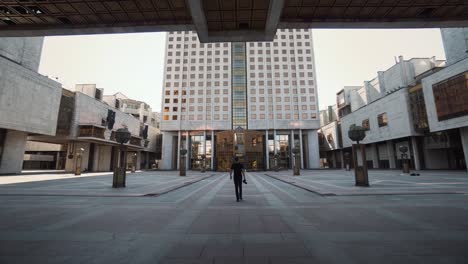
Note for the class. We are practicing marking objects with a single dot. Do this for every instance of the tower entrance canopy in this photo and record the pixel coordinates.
(221, 20)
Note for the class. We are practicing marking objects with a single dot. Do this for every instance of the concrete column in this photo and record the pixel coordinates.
(189, 151)
(302, 150)
(179, 138)
(274, 141)
(213, 146)
(313, 155)
(464, 140)
(291, 158)
(341, 155)
(96, 151)
(13, 152)
(57, 160)
(375, 156)
(204, 143)
(266, 150)
(167, 154)
(417, 159)
(391, 154)
(148, 162)
(138, 160)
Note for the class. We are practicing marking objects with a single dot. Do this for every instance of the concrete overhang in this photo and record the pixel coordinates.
(221, 20)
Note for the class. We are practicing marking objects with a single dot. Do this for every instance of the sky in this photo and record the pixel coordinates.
(134, 63)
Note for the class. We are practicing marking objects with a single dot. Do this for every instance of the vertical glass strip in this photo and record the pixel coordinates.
(239, 85)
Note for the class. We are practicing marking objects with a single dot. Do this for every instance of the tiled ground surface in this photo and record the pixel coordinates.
(341, 182)
(97, 184)
(202, 223)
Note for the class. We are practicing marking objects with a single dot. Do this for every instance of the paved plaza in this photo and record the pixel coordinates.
(318, 217)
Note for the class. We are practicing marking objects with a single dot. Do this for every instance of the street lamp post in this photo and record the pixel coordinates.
(183, 170)
(404, 157)
(122, 136)
(297, 161)
(358, 133)
(79, 158)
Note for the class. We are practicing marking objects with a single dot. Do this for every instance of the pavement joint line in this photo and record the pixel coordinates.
(296, 221)
(363, 194)
(108, 195)
(293, 184)
(184, 184)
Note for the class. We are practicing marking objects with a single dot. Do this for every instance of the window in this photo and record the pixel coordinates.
(382, 119)
(365, 124)
(166, 117)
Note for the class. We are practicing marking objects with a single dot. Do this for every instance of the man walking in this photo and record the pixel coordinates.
(238, 170)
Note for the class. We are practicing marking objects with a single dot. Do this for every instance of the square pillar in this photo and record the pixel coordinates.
(13, 152)
(417, 159)
(266, 151)
(213, 146)
(291, 158)
(464, 140)
(189, 151)
(301, 148)
(375, 156)
(179, 146)
(274, 142)
(391, 154)
(313, 154)
(167, 155)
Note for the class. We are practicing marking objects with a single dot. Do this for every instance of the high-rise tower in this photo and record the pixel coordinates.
(267, 90)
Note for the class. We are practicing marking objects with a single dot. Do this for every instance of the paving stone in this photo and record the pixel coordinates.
(200, 223)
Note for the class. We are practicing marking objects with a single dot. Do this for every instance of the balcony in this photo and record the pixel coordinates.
(93, 131)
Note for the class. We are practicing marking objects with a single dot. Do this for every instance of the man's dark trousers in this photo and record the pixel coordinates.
(238, 186)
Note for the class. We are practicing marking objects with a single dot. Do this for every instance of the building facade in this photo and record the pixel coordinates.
(445, 93)
(86, 127)
(391, 108)
(29, 102)
(423, 108)
(265, 91)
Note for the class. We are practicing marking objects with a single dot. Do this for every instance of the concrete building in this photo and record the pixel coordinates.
(44, 156)
(140, 110)
(29, 102)
(86, 126)
(388, 108)
(266, 89)
(445, 94)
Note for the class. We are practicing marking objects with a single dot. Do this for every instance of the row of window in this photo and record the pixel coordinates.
(253, 91)
(253, 83)
(251, 44)
(192, 61)
(279, 116)
(225, 45)
(216, 117)
(225, 117)
(279, 99)
(286, 107)
(192, 100)
(279, 58)
(226, 52)
(200, 76)
(382, 121)
(252, 67)
(225, 108)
